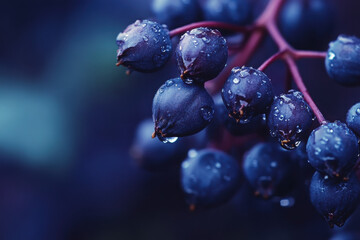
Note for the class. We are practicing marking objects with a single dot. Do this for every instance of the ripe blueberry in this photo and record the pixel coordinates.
(201, 54)
(229, 11)
(334, 199)
(181, 109)
(353, 118)
(343, 60)
(176, 13)
(247, 93)
(333, 149)
(269, 169)
(209, 178)
(144, 46)
(290, 119)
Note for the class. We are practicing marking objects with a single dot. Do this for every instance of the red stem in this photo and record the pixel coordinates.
(211, 24)
(271, 60)
(308, 54)
(300, 84)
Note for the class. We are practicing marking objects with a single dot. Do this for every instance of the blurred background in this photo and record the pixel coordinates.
(68, 118)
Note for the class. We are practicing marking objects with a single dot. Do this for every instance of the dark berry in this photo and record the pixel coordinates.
(209, 178)
(343, 60)
(353, 118)
(269, 170)
(180, 109)
(333, 149)
(334, 199)
(247, 93)
(155, 155)
(176, 13)
(257, 124)
(144, 46)
(229, 11)
(307, 24)
(290, 119)
(201, 54)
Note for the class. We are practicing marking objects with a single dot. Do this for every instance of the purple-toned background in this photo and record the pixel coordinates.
(67, 119)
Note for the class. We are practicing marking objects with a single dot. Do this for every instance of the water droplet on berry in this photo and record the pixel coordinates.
(331, 55)
(244, 73)
(145, 38)
(185, 164)
(218, 165)
(170, 139)
(207, 113)
(192, 153)
(236, 80)
(206, 40)
(358, 111)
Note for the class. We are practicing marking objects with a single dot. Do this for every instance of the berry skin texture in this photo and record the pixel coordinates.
(180, 109)
(269, 170)
(247, 93)
(334, 199)
(353, 118)
(201, 54)
(144, 46)
(333, 149)
(290, 119)
(229, 11)
(343, 60)
(176, 13)
(154, 155)
(209, 178)
(258, 124)
(307, 24)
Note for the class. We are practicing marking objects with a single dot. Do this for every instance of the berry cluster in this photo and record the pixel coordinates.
(243, 104)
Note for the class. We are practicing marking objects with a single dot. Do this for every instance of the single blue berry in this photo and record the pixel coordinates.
(176, 13)
(247, 93)
(229, 11)
(180, 109)
(307, 24)
(353, 118)
(155, 155)
(209, 178)
(144, 46)
(343, 60)
(290, 119)
(201, 54)
(269, 170)
(333, 149)
(334, 199)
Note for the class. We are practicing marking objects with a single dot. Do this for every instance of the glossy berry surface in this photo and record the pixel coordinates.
(333, 149)
(154, 155)
(201, 54)
(175, 13)
(343, 60)
(247, 93)
(229, 11)
(290, 119)
(209, 178)
(180, 109)
(307, 24)
(257, 124)
(269, 169)
(144, 46)
(353, 118)
(334, 199)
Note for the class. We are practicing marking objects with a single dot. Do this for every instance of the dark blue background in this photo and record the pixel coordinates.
(67, 118)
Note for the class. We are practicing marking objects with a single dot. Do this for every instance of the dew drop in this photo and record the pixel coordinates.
(331, 55)
(192, 153)
(145, 38)
(358, 111)
(218, 165)
(185, 164)
(258, 94)
(244, 73)
(236, 80)
(206, 40)
(207, 113)
(170, 139)
(287, 202)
